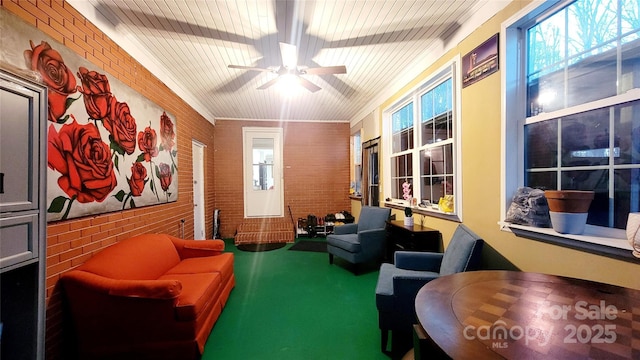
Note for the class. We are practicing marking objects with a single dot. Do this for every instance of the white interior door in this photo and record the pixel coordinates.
(263, 179)
(199, 227)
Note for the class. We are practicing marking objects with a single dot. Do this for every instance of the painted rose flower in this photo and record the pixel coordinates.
(97, 93)
(55, 74)
(137, 180)
(147, 141)
(166, 132)
(83, 160)
(165, 176)
(121, 125)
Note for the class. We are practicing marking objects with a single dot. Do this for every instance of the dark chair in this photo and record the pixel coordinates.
(362, 242)
(399, 283)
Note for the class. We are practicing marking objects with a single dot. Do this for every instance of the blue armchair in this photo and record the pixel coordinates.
(399, 283)
(362, 242)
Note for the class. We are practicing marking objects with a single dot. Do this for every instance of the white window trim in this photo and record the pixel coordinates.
(453, 66)
(595, 239)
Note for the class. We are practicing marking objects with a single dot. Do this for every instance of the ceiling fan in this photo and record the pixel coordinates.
(290, 67)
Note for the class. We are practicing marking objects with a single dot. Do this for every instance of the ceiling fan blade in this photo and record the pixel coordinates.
(326, 70)
(249, 68)
(268, 84)
(289, 55)
(308, 84)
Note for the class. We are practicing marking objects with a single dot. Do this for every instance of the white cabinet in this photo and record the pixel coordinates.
(23, 121)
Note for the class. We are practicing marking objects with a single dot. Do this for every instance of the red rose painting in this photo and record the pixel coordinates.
(138, 179)
(121, 125)
(96, 92)
(87, 140)
(165, 176)
(147, 140)
(55, 74)
(166, 132)
(83, 160)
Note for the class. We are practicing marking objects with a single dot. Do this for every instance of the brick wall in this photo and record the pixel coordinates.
(316, 169)
(72, 242)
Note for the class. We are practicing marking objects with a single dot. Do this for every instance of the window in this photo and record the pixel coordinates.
(370, 173)
(572, 104)
(356, 153)
(422, 130)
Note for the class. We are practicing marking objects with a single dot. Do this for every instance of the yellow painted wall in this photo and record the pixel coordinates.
(480, 114)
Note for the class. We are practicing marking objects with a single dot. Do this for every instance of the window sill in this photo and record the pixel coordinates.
(424, 211)
(355, 197)
(592, 241)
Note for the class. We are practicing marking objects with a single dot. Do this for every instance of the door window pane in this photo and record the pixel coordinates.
(263, 178)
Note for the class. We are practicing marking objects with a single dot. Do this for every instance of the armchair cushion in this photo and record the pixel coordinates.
(463, 252)
(373, 218)
(349, 242)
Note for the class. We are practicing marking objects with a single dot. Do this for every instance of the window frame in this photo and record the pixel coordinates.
(599, 240)
(450, 70)
(356, 160)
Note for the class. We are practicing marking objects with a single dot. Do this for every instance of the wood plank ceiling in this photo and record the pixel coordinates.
(194, 41)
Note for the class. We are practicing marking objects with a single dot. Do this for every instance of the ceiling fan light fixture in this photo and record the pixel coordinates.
(290, 75)
(288, 84)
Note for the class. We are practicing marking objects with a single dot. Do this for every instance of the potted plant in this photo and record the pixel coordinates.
(408, 216)
(568, 209)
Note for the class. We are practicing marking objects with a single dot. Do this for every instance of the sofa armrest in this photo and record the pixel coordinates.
(345, 229)
(148, 289)
(420, 261)
(197, 248)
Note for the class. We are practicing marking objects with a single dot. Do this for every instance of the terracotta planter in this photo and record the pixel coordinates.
(569, 209)
(569, 201)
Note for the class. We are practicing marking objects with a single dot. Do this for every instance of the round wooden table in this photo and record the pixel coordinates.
(519, 315)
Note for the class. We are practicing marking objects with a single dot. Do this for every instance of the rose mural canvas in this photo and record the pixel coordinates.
(109, 148)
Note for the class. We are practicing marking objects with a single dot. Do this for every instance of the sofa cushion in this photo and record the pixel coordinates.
(198, 293)
(143, 257)
(222, 264)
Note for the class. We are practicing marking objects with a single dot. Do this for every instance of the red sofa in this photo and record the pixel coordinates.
(152, 296)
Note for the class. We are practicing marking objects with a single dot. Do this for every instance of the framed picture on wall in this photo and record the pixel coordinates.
(480, 62)
(109, 148)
